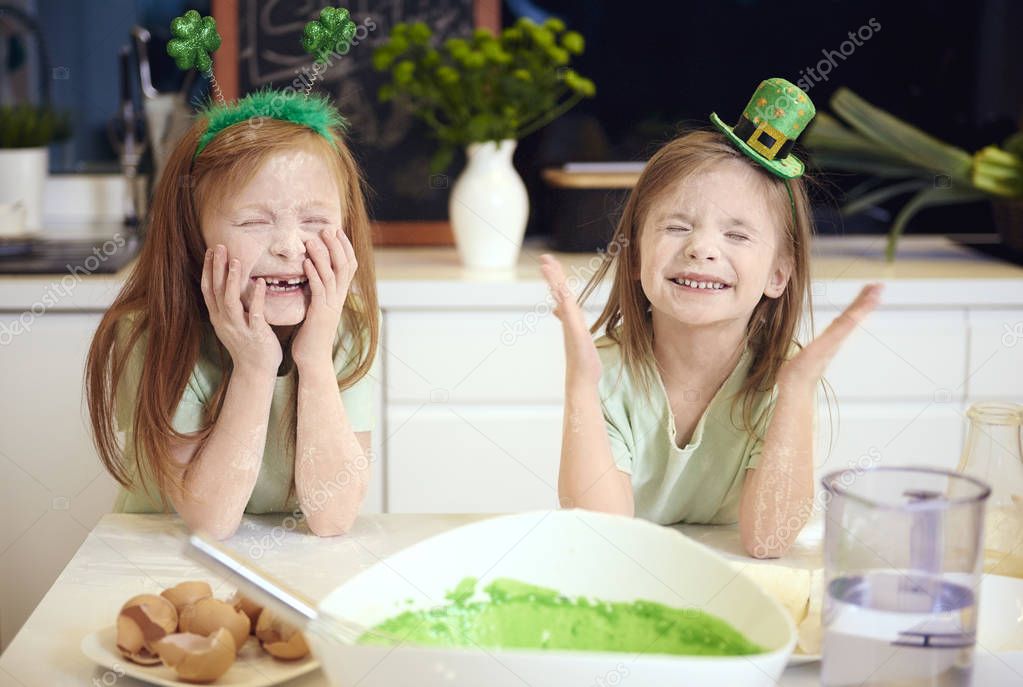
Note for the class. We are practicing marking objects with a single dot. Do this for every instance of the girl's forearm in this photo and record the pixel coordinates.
(777, 495)
(588, 477)
(331, 466)
(219, 479)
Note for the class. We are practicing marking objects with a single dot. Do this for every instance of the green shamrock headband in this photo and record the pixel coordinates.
(316, 113)
(196, 37)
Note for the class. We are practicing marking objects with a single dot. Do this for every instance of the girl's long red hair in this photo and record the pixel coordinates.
(162, 298)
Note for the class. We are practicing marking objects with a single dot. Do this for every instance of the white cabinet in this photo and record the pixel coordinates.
(53, 489)
(884, 433)
(448, 458)
(996, 355)
(474, 356)
(473, 399)
(900, 355)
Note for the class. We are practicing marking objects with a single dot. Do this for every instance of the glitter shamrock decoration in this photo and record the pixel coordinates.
(332, 32)
(195, 37)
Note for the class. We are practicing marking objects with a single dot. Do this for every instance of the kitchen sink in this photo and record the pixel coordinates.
(59, 255)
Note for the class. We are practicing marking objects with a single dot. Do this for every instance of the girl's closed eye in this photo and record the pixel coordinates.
(677, 229)
(252, 222)
(738, 236)
(315, 220)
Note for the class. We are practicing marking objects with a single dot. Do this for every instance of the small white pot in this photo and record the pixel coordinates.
(22, 178)
(489, 207)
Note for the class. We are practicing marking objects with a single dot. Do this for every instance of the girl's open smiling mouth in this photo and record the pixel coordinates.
(282, 286)
(705, 286)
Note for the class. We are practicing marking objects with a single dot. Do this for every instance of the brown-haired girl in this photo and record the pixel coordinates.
(697, 404)
(237, 357)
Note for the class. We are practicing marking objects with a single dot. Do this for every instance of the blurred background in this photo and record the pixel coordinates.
(953, 69)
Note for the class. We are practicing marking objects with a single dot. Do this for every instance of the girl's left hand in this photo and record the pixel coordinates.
(329, 268)
(807, 366)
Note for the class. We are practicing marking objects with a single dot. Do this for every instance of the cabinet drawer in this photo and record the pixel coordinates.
(513, 356)
(901, 355)
(996, 355)
(503, 356)
(889, 434)
(472, 459)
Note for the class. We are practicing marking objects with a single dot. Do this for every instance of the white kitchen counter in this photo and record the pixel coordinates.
(126, 555)
(929, 271)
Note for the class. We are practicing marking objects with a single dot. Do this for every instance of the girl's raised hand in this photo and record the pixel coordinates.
(807, 366)
(581, 360)
(330, 269)
(247, 337)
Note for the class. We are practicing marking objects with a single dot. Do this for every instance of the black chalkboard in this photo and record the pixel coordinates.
(392, 146)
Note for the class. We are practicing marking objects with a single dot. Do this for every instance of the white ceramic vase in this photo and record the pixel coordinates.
(489, 207)
(22, 178)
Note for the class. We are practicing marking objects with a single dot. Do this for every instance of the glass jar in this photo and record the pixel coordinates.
(992, 454)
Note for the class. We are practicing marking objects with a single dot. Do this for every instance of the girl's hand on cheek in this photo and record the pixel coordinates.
(330, 268)
(806, 367)
(247, 337)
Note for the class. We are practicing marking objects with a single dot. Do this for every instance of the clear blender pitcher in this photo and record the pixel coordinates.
(992, 454)
(902, 555)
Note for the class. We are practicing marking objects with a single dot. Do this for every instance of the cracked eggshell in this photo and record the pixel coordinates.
(280, 639)
(142, 621)
(196, 658)
(206, 616)
(187, 593)
(247, 606)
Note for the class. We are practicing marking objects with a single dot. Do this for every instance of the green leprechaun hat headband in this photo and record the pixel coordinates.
(196, 38)
(775, 116)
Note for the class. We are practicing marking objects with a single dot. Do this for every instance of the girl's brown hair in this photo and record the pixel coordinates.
(163, 300)
(773, 325)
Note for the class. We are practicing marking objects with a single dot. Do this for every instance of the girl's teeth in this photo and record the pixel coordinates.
(285, 285)
(701, 284)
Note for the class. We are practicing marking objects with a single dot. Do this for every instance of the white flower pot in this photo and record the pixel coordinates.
(489, 207)
(22, 178)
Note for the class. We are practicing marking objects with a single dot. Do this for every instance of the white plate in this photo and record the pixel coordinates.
(999, 620)
(253, 667)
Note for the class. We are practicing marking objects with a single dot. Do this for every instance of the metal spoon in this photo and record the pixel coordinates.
(285, 601)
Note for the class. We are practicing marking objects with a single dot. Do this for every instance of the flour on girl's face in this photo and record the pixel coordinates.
(289, 200)
(715, 225)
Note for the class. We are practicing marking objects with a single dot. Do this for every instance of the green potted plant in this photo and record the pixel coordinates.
(485, 92)
(904, 160)
(25, 133)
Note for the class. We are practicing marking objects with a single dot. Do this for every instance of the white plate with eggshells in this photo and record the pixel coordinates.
(253, 667)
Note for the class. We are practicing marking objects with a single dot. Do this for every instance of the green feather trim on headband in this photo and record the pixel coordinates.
(313, 111)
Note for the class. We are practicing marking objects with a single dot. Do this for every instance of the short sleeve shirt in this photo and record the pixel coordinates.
(273, 486)
(700, 482)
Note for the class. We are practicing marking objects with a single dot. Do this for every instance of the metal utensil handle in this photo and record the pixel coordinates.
(253, 581)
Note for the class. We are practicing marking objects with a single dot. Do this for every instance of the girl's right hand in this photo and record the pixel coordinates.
(247, 337)
(582, 364)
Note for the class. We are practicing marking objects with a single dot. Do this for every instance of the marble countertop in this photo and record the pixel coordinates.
(929, 272)
(126, 555)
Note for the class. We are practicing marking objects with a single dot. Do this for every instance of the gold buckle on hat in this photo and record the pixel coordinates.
(754, 140)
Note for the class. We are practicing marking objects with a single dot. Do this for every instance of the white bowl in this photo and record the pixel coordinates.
(577, 553)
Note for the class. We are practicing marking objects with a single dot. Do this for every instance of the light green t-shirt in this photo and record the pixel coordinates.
(700, 482)
(276, 474)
